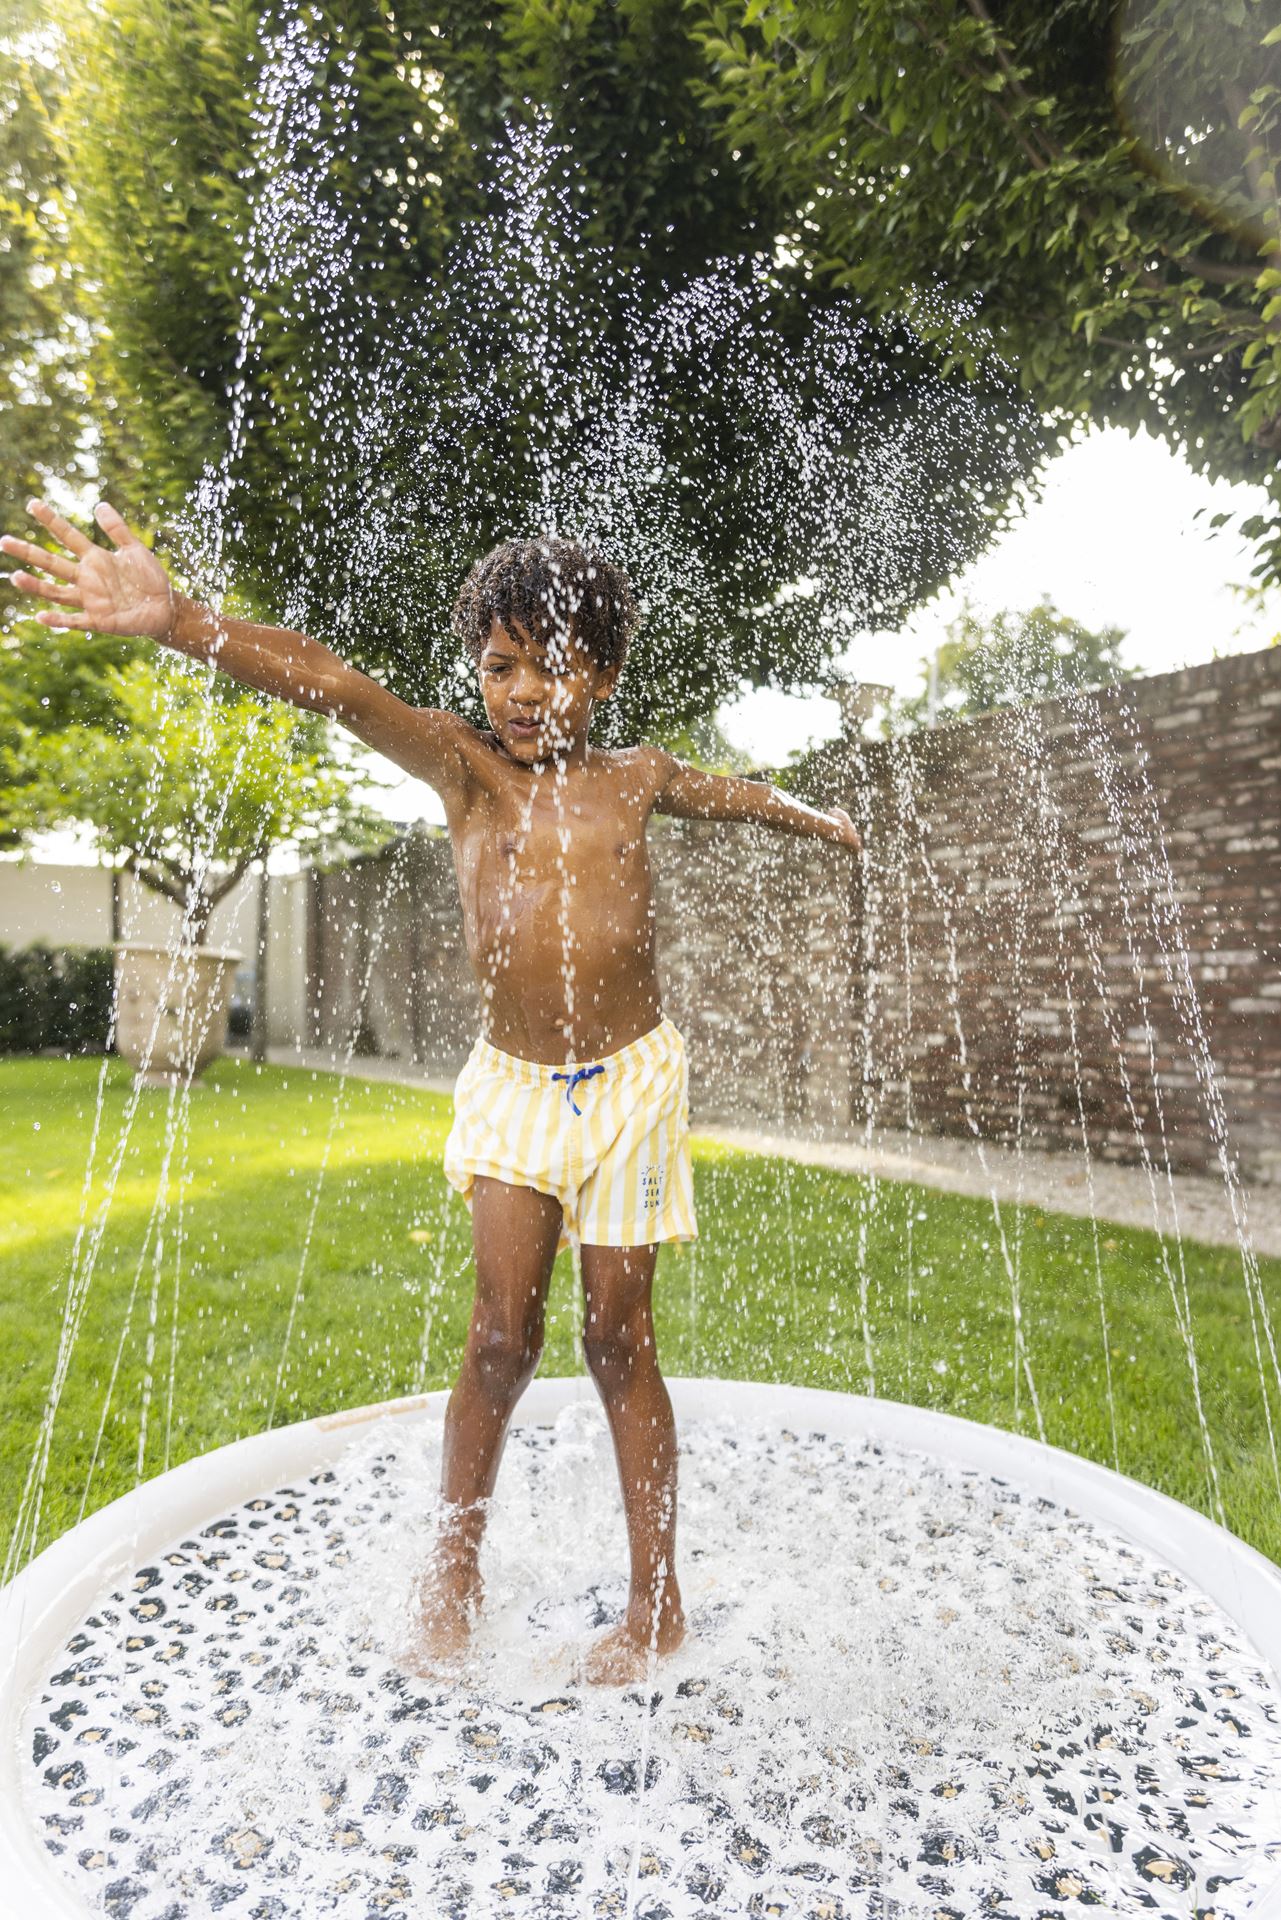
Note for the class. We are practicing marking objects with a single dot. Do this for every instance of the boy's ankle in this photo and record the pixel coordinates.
(655, 1610)
(459, 1532)
(456, 1559)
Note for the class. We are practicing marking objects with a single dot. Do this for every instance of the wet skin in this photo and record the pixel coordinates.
(548, 836)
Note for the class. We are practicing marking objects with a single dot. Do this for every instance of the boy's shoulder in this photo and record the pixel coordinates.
(653, 764)
(656, 759)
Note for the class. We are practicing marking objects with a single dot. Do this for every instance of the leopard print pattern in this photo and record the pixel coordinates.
(907, 1690)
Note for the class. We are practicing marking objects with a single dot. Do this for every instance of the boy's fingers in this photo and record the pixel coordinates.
(60, 529)
(115, 526)
(63, 619)
(48, 589)
(39, 556)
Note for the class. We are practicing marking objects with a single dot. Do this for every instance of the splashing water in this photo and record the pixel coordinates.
(963, 1672)
(765, 462)
(762, 460)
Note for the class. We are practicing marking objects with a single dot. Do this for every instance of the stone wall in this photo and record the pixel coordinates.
(1068, 922)
(387, 968)
(1080, 904)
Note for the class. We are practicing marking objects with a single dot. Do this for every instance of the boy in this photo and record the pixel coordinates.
(571, 1114)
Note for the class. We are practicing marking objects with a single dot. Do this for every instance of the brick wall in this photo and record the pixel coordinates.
(1081, 903)
(1068, 918)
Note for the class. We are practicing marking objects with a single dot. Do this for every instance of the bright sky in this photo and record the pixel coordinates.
(1115, 541)
(1120, 538)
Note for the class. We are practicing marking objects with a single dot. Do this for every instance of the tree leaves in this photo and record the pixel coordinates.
(178, 174)
(240, 773)
(1089, 185)
(1010, 659)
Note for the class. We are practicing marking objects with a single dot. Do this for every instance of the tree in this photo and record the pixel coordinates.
(45, 686)
(416, 348)
(1097, 181)
(44, 416)
(1010, 660)
(184, 780)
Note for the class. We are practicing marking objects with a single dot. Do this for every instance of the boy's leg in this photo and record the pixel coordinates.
(514, 1234)
(618, 1342)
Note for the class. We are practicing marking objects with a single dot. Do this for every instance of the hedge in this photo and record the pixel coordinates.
(55, 997)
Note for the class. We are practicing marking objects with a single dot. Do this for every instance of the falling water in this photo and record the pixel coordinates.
(841, 516)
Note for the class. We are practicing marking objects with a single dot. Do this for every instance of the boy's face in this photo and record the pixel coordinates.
(539, 694)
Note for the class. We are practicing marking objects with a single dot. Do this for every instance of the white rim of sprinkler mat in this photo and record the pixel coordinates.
(49, 1599)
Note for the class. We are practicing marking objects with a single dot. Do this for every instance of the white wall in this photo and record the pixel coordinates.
(287, 960)
(70, 905)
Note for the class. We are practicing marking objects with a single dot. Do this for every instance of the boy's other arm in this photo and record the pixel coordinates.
(691, 794)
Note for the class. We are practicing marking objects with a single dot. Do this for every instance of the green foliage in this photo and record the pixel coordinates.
(1254, 599)
(1098, 181)
(338, 531)
(619, 85)
(179, 774)
(55, 997)
(704, 744)
(152, 124)
(45, 685)
(1011, 660)
(43, 402)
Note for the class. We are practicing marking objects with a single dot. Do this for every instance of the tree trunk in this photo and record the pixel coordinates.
(260, 967)
(199, 909)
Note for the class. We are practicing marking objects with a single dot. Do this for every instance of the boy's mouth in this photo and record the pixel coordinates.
(525, 729)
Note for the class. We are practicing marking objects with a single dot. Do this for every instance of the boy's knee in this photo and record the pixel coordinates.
(505, 1356)
(613, 1350)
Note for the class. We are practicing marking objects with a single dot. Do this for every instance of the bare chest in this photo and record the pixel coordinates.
(581, 857)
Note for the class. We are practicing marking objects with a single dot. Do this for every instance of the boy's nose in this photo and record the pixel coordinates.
(525, 697)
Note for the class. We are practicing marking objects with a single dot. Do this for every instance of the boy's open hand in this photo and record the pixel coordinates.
(123, 592)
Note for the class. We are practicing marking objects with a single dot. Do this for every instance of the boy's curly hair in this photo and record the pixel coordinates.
(550, 585)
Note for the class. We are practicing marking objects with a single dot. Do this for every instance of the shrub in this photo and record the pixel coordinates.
(55, 997)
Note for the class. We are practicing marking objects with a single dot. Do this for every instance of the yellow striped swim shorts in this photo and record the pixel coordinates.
(607, 1138)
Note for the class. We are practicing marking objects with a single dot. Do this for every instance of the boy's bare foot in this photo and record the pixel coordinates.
(622, 1655)
(447, 1596)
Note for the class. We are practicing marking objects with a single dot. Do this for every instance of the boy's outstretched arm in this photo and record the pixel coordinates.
(125, 589)
(694, 795)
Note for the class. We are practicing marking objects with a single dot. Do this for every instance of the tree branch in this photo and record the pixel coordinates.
(1216, 271)
(1048, 144)
(156, 881)
(1236, 103)
(1207, 352)
(177, 873)
(224, 886)
(788, 126)
(1034, 158)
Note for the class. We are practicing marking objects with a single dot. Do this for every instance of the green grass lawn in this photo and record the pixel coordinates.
(296, 1205)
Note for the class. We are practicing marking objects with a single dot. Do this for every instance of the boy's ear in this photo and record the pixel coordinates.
(607, 682)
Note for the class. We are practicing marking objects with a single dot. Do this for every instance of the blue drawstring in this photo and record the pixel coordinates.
(583, 1073)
